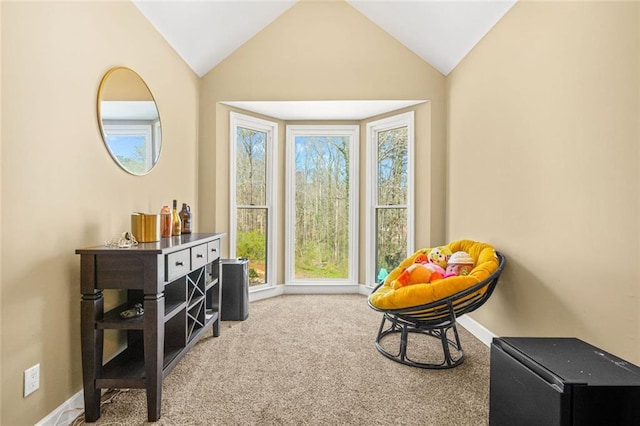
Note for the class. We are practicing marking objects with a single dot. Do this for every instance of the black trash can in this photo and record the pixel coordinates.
(235, 289)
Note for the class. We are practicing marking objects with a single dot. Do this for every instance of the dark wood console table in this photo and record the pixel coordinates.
(177, 281)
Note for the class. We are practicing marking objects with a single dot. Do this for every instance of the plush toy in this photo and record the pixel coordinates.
(439, 256)
(460, 263)
(421, 271)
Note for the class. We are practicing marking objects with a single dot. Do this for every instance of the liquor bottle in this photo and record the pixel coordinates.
(185, 218)
(177, 226)
(166, 223)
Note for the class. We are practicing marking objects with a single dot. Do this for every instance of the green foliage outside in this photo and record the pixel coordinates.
(322, 207)
(322, 190)
(135, 164)
(251, 245)
(320, 259)
(392, 194)
(391, 261)
(324, 272)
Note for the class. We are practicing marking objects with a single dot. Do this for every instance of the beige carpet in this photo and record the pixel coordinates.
(311, 360)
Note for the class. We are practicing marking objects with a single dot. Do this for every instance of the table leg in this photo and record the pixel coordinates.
(91, 310)
(154, 353)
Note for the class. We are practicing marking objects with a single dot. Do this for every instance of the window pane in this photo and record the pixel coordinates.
(391, 238)
(251, 167)
(252, 242)
(131, 151)
(392, 166)
(321, 207)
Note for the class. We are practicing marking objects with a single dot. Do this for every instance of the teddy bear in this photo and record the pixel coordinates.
(426, 268)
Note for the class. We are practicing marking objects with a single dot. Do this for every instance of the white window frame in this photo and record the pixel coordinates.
(353, 133)
(373, 128)
(128, 128)
(271, 129)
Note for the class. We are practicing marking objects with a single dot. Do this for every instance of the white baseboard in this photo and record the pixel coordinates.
(321, 289)
(267, 292)
(365, 290)
(478, 330)
(65, 413)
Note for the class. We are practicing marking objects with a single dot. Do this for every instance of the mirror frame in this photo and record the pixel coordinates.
(103, 133)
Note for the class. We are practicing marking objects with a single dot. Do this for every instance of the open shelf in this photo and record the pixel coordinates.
(112, 319)
(211, 284)
(210, 316)
(212, 294)
(175, 291)
(172, 309)
(128, 364)
(126, 370)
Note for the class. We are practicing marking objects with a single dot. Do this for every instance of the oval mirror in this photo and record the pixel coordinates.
(129, 121)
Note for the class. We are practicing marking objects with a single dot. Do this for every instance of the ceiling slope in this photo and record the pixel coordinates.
(441, 32)
(205, 32)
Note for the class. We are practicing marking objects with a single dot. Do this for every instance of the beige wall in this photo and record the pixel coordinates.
(545, 109)
(1, 379)
(543, 161)
(60, 188)
(124, 84)
(322, 51)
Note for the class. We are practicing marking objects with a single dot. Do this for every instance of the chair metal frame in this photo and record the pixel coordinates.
(436, 319)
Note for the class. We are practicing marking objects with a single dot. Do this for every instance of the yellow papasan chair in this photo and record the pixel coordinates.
(427, 292)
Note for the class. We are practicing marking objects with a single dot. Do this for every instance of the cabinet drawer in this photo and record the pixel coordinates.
(178, 264)
(198, 256)
(213, 250)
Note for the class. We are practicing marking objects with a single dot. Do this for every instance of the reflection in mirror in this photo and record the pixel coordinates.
(129, 121)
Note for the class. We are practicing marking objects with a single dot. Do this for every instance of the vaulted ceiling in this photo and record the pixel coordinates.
(205, 32)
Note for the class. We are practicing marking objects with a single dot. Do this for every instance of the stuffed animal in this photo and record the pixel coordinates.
(421, 271)
(440, 256)
(460, 263)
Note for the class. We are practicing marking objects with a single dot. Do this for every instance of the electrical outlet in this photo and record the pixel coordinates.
(31, 379)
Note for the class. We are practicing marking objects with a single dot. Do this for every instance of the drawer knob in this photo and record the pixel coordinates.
(214, 250)
(179, 263)
(199, 255)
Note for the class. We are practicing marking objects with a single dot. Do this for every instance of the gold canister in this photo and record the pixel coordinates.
(145, 227)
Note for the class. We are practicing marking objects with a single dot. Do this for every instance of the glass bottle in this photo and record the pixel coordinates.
(177, 226)
(185, 218)
(166, 223)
